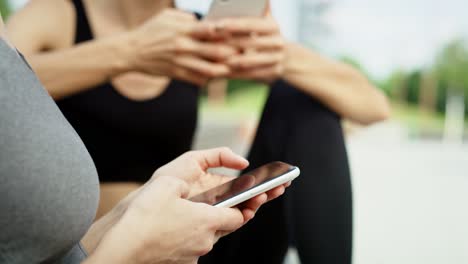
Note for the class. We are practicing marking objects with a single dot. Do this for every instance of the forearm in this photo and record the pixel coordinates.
(75, 69)
(101, 227)
(97, 231)
(104, 249)
(338, 86)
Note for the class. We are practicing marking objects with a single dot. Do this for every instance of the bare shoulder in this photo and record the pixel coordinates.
(50, 23)
(48, 10)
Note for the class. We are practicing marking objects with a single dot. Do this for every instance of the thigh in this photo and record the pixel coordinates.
(264, 239)
(320, 200)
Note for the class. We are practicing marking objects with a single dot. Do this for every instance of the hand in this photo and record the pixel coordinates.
(261, 45)
(165, 45)
(193, 167)
(161, 226)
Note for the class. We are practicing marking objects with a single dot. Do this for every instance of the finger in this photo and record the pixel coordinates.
(255, 203)
(247, 25)
(228, 219)
(275, 193)
(250, 207)
(208, 30)
(262, 74)
(206, 68)
(190, 76)
(211, 51)
(248, 214)
(179, 14)
(170, 70)
(255, 60)
(260, 43)
(221, 234)
(219, 157)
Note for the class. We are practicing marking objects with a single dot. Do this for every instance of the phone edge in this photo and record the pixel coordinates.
(289, 176)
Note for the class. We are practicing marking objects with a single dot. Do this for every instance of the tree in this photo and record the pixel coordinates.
(4, 8)
(451, 68)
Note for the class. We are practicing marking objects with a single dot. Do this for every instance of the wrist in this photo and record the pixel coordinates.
(293, 64)
(116, 246)
(124, 48)
(100, 228)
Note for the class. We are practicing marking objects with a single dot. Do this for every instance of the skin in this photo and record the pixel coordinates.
(136, 44)
(160, 226)
(170, 45)
(138, 47)
(264, 55)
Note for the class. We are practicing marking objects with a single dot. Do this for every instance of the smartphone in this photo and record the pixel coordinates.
(236, 8)
(249, 185)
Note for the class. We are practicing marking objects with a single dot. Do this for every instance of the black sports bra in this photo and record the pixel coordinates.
(127, 139)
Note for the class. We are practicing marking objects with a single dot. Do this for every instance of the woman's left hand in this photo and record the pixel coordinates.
(193, 166)
(261, 48)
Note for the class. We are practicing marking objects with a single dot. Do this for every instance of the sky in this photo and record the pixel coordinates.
(382, 35)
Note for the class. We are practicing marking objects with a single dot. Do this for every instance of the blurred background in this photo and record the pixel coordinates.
(410, 174)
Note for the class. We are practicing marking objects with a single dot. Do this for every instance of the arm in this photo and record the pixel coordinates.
(337, 85)
(161, 46)
(44, 32)
(157, 222)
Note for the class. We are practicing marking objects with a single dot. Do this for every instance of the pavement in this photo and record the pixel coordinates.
(410, 196)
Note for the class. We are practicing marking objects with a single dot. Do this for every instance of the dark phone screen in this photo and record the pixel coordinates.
(243, 183)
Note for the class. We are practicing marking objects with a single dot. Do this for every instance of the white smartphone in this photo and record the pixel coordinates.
(236, 8)
(249, 185)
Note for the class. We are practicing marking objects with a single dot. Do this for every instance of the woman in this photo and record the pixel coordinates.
(301, 125)
(109, 65)
(303, 113)
(49, 192)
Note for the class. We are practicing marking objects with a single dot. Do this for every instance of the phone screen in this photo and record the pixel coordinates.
(243, 183)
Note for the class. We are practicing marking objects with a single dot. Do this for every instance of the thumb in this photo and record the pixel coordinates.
(173, 185)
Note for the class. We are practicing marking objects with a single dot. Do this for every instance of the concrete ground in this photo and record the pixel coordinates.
(410, 197)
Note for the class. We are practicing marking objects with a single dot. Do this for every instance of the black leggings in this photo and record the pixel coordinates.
(315, 214)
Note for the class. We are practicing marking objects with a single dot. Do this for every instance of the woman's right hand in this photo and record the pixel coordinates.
(157, 224)
(162, 226)
(165, 45)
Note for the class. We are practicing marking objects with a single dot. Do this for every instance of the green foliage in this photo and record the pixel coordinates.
(235, 86)
(452, 65)
(413, 84)
(442, 88)
(450, 70)
(4, 8)
(394, 85)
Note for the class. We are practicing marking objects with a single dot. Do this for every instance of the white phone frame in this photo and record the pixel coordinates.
(236, 8)
(262, 188)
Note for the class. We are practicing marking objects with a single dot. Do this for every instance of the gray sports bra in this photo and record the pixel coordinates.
(48, 182)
